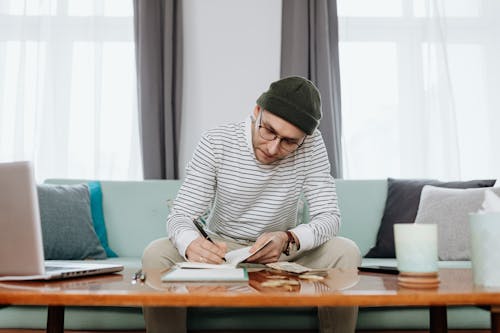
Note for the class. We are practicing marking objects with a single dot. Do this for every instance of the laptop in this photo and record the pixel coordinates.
(21, 247)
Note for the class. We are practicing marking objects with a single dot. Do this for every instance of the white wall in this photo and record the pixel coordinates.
(231, 54)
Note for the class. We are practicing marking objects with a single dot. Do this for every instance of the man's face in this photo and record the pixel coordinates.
(288, 137)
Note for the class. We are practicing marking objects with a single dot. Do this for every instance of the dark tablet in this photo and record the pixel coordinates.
(379, 269)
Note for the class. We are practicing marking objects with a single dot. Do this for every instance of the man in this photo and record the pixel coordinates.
(250, 175)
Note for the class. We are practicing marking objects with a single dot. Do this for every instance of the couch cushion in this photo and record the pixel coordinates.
(67, 227)
(403, 197)
(449, 209)
(417, 318)
(75, 318)
(217, 319)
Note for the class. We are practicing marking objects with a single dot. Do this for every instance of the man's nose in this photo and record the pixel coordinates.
(274, 146)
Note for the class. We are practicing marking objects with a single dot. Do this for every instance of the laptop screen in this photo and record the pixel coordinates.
(21, 247)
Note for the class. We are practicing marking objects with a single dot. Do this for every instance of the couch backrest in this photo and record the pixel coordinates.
(135, 211)
(362, 204)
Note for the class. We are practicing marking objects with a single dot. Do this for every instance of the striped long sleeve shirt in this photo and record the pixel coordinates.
(247, 198)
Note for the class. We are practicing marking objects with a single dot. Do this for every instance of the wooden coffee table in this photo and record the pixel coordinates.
(340, 288)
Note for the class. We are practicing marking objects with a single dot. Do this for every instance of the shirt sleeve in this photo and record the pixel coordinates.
(320, 193)
(194, 197)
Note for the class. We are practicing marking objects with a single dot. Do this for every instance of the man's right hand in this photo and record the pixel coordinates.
(202, 250)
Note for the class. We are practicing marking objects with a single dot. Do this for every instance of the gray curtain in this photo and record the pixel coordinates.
(309, 48)
(158, 40)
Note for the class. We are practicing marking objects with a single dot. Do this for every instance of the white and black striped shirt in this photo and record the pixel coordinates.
(248, 198)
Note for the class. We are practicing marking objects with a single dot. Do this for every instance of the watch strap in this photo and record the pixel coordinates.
(289, 243)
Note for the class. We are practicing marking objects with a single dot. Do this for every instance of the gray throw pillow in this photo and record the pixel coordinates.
(67, 227)
(403, 197)
(449, 209)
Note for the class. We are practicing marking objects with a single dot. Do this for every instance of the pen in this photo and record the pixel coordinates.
(203, 232)
(140, 275)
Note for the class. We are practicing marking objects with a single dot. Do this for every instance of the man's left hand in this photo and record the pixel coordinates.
(272, 251)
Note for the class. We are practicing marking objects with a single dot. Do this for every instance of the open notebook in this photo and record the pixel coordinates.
(21, 247)
(233, 258)
(195, 271)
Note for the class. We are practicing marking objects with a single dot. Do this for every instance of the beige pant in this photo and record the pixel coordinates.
(338, 252)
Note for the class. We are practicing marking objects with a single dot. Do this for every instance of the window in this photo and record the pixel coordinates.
(68, 88)
(418, 88)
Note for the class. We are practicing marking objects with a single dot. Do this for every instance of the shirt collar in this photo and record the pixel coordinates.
(248, 132)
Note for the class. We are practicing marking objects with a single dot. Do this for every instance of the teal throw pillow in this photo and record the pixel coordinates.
(98, 216)
(67, 227)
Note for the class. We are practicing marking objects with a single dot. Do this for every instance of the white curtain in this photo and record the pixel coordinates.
(419, 88)
(68, 88)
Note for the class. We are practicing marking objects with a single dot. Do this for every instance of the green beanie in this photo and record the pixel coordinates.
(295, 100)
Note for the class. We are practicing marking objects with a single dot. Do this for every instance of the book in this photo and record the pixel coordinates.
(196, 271)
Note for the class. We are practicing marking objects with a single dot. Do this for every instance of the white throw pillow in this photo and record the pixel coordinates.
(449, 209)
(491, 201)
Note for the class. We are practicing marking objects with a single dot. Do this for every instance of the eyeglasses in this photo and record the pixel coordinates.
(286, 144)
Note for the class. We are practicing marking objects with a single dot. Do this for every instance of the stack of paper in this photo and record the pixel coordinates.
(293, 267)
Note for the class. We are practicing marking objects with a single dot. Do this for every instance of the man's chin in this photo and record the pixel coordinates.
(265, 159)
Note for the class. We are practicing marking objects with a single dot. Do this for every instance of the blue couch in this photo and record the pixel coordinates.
(135, 214)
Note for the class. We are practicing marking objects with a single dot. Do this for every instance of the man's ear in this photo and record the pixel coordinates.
(256, 111)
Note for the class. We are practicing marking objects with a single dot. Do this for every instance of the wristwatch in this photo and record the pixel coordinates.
(290, 243)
